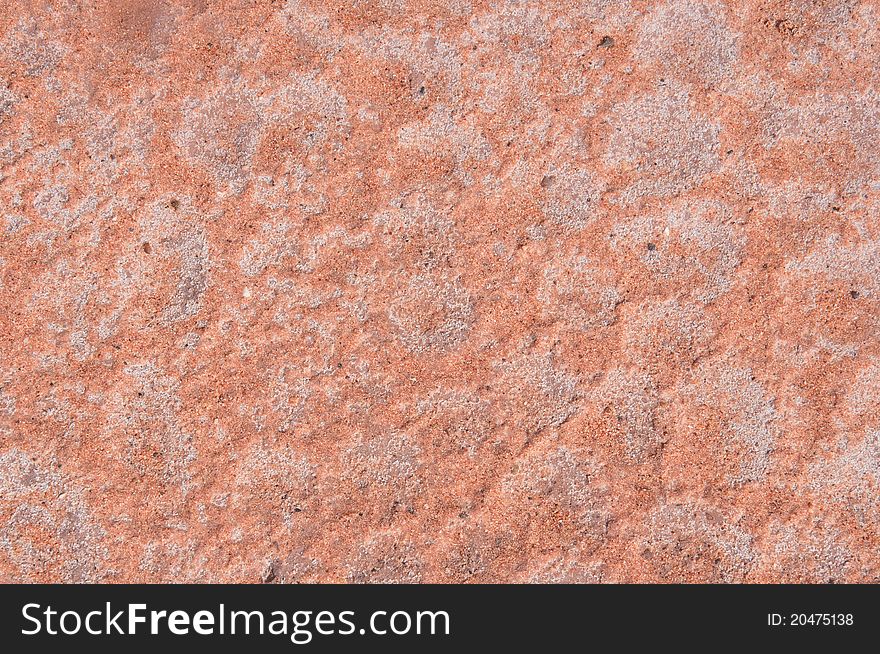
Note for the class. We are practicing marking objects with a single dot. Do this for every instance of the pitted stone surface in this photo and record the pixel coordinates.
(415, 291)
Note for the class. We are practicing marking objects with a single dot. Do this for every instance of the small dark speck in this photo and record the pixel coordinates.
(421, 90)
(606, 42)
(854, 295)
(147, 248)
(652, 247)
(175, 204)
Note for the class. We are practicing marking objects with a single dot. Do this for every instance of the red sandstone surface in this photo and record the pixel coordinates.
(465, 291)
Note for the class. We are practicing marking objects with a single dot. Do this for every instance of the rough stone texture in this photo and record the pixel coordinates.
(468, 291)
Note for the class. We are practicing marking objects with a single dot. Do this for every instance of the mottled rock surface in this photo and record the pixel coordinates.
(468, 291)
